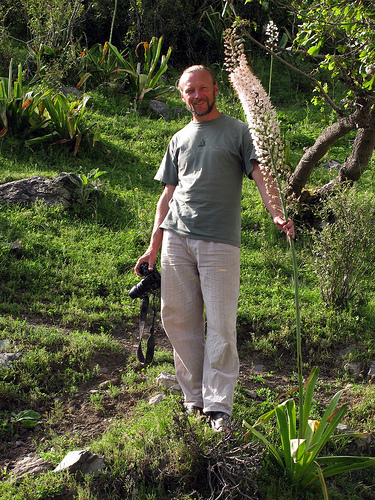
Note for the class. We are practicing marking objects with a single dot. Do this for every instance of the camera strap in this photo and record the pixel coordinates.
(142, 324)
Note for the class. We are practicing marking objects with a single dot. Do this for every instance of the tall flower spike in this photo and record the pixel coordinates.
(261, 117)
(265, 132)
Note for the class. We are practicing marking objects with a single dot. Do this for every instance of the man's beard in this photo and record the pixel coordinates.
(210, 107)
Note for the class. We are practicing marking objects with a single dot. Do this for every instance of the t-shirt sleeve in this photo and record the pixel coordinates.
(168, 172)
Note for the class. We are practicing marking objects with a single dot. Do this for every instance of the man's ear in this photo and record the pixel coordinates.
(216, 89)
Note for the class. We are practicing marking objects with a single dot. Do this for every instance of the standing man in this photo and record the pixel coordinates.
(197, 224)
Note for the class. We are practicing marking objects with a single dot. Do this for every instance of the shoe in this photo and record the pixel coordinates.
(194, 410)
(219, 421)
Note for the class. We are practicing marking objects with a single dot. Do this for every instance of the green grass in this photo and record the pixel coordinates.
(64, 298)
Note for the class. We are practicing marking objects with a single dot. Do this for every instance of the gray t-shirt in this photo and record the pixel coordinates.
(206, 161)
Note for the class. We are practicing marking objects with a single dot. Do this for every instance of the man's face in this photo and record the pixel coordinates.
(199, 92)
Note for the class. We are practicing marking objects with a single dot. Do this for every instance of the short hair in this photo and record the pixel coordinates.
(192, 69)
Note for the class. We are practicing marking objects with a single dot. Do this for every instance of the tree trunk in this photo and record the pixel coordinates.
(343, 125)
(363, 147)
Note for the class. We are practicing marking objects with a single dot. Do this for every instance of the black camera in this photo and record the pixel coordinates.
(150, 282)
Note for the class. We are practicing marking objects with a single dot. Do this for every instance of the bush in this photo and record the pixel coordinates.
(345, 247)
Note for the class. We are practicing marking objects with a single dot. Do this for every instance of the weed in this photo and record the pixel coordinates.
(96, 400)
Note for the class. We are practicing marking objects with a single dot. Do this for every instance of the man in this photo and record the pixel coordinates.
(197, 223)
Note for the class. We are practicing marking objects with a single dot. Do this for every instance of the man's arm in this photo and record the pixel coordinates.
(162, 208)
(271, 199)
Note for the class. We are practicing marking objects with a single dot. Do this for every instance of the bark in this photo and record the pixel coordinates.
(363, 147)
(359, 119)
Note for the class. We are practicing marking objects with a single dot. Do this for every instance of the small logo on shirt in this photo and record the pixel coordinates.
(202, 144)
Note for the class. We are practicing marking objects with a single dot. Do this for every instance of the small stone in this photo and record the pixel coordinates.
(82, 460)
(175, 389)
(343, 429)
(104, 385)
(4, 344)
(371, 371)
(259, 368)
(167, 380)
(353, 369)
(30, 465)
(6, 358)
(157, 399)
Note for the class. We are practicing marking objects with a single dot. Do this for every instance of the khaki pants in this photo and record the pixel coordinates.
(200, 279)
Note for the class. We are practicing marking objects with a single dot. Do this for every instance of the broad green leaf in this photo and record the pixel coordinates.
(283, 424)
(314, 51)
(265, 441)
(309, 393)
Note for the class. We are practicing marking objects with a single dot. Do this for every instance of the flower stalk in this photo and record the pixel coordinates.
(266, 136)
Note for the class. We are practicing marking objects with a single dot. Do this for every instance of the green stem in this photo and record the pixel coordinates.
(270, 78)
(298, 331)
(296, 304)
(113, 22)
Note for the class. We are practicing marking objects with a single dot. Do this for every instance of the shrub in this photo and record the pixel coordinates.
(345, 247)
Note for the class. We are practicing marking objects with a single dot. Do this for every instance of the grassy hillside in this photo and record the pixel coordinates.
(64, 305)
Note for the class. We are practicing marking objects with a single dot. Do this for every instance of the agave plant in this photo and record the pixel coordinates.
(302, 437)
(19, 112)
(66, 120)
(101, 64)
(144, 78)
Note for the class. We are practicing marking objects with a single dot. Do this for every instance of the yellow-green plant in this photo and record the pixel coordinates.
(302, 437)
(19, 112)
(144, 77)
(101, 64)
(86, 184)
(66, 120)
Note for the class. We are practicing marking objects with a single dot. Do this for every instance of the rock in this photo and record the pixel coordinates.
(353, 369)
(58, 191)
(6, 358)
(167, 380)
(371, 372)
(259, 368)
(159, 108)
(346, 351)
(104, 385)
(71, 90)
(30, 465)
(175, 389)
(343, 429)
(157, 399)
(334, 164)
(4, 344)
(81, 460)
(15, 248)
(363, 443)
